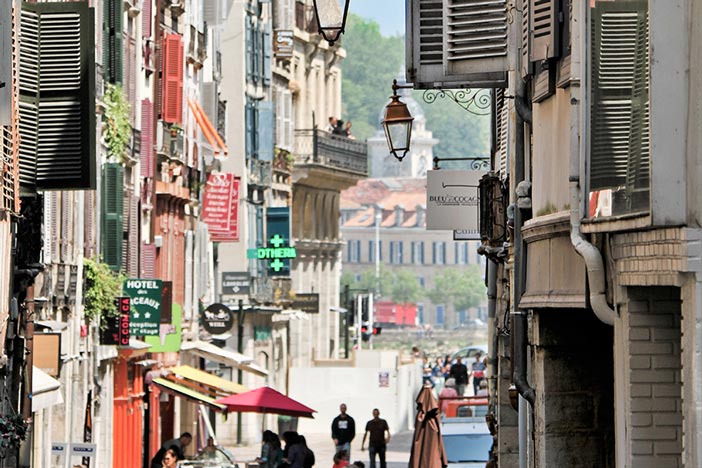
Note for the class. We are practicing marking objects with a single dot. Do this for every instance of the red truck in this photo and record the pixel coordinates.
(386, 313)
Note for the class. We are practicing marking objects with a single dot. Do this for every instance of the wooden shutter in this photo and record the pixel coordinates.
(112, 214)
(249, 116)
(57, 96)
(189, 271)
(89, 233)
(264, 128)
(288, 122)
(267, 55)
(112, 49)
(501, 132)
(133, 239)
(130, 82)
(619, 153)
(147, 138)
(526, 40)
(249, 48)
(543, 29)
(67, 227)
(172, 83)
(148, 261)
(457, 43)
(146, 19)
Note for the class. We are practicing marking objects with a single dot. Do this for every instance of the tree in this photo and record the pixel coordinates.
(463, 288)
(400, 285)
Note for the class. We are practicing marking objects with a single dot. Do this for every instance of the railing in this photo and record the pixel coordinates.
(169, 142)
(260, 173)
(334, 151)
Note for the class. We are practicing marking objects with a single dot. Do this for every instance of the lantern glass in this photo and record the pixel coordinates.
(331, 17)
(398, 135)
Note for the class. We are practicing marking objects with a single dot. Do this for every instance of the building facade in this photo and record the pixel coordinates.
(596, 156)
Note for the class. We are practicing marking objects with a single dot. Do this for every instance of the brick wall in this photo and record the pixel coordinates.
(651, 319)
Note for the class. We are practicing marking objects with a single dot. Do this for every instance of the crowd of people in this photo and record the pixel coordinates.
(445, 374)
(337, 126)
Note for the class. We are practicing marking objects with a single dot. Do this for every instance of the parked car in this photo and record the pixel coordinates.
(467, 442)
(219, 458)
(468, 353)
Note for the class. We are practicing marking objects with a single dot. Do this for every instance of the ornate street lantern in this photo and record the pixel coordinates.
(331, 18)
(397, 124)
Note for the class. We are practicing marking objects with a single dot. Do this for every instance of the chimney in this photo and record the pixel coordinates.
(399, 215)
(420, 215)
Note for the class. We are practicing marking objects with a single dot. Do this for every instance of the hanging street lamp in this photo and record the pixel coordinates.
(397, 123)
(331, 18)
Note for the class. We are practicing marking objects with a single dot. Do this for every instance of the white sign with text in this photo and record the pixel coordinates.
(453, 200)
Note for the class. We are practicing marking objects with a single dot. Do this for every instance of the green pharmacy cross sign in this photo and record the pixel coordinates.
(276, 254)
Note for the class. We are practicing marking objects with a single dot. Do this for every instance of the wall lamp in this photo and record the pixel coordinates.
(397, 123)
(331, 18)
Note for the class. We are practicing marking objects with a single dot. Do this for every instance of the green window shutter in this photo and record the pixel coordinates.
(112, 50)
(112, 214)
(264, 125)
(57, 96)
(619, 145)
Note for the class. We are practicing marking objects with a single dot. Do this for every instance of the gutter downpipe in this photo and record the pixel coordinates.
(519, 316)
(492, 312)
(579, 145)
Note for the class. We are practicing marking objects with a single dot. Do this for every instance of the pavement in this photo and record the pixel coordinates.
(397, 455)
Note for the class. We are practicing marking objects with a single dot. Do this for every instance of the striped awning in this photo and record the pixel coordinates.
(186, 393)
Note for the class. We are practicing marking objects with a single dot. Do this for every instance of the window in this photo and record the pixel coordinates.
(439, 253)
(619, 119)
(371, 251)
(421, 280)
(353, 252)
(440, 314)
(460, 253)
(420, 314)
(396, 252)
(418, 253)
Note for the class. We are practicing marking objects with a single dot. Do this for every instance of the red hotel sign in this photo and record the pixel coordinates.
(221, 207)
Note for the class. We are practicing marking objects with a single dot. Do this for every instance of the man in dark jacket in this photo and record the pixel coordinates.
(343, 430)
(459, 372)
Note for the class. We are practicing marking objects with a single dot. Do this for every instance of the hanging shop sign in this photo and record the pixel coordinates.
(217, 319)
(306, 302)
(220, 207)
(47, 353)
(453, 200)
(145, 295)
(466, 235)
(170, 335)
(235, 282)
(114, 329)
(283, 44)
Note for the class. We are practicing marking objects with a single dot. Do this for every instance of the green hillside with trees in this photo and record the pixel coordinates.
(372, 62)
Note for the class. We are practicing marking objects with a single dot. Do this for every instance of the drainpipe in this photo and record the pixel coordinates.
(492, 308)
(519, 316)
(579, 145)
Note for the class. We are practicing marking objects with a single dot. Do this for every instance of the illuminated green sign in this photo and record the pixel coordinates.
(275, 253)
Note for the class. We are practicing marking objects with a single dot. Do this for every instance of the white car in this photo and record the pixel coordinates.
(467, 442)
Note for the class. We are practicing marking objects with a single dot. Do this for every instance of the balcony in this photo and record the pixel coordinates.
(259, 173)
(319, 148)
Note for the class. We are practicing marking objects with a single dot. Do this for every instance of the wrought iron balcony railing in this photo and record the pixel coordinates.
(319, 147)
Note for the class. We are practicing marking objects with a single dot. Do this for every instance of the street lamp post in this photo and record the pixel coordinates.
(397, 123)
(331, 18)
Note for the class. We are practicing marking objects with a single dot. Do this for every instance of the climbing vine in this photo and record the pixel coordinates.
(102, 286)
(117, 131)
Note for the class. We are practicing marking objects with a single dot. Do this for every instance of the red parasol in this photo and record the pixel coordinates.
(265, 400)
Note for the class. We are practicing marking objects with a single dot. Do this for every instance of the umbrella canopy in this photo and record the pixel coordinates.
(427, 444)
(265, 400)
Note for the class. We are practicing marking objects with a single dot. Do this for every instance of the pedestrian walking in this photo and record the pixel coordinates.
(295, 451)
(378, 434)
(459, 372)
(478, 371)
(343, 430)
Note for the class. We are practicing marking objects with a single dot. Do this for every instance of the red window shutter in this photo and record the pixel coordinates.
(148, 261)
(172, 105)
(147, 138)
(146, 19)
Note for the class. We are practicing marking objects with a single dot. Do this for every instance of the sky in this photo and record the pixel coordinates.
(389, 13)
